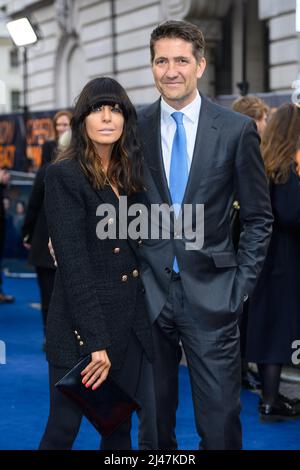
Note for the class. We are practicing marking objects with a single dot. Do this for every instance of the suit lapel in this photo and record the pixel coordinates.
(207, 133)
(152, 143)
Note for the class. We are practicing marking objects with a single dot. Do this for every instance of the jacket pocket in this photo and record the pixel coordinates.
(224, 259)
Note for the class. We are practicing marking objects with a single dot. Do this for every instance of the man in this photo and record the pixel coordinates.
(255, 108)
(4, 179)
(197, 152)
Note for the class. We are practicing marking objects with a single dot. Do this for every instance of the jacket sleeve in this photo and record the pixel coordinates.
(66, 216)
(35, 203)
(256, 216)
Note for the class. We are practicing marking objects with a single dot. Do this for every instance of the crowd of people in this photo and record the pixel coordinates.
(132, 304)
(272, 315)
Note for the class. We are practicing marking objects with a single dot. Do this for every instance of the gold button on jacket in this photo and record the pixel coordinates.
(135, 273)
(117, 250)
(124, 278)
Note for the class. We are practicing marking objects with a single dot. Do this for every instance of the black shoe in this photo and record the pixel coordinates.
(281, 409)
(291, 401)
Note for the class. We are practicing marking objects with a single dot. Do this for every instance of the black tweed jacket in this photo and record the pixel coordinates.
(98, 295)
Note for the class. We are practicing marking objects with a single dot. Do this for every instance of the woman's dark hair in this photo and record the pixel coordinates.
(125, 167)
(279, 143)
(179, 29)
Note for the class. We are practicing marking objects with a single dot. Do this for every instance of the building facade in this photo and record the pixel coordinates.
(82, 39)
(10, 74)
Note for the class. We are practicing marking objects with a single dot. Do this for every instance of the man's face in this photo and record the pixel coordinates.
(262, 124)
(176, 71)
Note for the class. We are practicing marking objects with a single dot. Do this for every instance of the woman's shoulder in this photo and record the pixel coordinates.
(63, 169)
(65, 165)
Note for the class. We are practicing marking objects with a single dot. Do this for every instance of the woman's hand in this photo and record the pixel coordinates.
(97, 370)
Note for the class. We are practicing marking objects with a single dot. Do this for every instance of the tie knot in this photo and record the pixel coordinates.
(178, 117)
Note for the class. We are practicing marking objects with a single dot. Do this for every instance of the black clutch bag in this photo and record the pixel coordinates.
(106, 408)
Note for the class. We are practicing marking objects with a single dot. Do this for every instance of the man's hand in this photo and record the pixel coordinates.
(50, 247)
(97, 370)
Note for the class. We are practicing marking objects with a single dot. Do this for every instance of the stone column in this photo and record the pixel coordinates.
(206, 14)
(284, 47)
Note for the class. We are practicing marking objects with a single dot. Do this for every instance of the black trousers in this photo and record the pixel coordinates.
(45, 278)
(212, 349)
(65, 417)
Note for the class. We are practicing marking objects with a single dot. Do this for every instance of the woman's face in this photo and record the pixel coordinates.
(104, 126)
(19, 208)
(62, 124)
(262, 124)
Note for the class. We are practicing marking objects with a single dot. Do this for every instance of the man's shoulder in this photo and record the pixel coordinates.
(146, 111)
(227, 114)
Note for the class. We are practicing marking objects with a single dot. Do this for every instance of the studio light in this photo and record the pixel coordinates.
(22, 32)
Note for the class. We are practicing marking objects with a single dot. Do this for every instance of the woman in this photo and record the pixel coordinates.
(255, 108)
(34, 231)
(4, 230)
(274, 315)
(61, 124)
(97, 305)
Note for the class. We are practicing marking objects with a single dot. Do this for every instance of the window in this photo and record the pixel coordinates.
(14, 58)
(15, 96)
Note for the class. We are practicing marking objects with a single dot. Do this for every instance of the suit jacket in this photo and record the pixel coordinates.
(98, 295)
(35, 230)
(226, 164)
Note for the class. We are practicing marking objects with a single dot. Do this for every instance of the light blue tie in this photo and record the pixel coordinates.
(179, 170)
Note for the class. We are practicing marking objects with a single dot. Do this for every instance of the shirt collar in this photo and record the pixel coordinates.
(191, 111)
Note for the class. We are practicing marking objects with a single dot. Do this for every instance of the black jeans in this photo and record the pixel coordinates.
(65, 417)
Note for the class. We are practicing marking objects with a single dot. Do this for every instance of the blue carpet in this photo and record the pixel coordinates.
(24, 391)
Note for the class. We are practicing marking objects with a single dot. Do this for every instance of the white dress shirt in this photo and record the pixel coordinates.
(168, 128)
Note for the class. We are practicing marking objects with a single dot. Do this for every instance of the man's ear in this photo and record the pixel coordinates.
(201, 67)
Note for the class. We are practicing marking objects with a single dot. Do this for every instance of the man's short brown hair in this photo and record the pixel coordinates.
(251, 106)
(179, 29)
